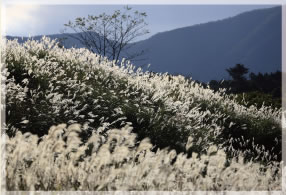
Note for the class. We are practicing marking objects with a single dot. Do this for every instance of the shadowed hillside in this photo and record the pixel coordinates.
(204, 51)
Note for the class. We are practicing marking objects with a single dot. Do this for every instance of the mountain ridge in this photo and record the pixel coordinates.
(227, 42)
(203, 51)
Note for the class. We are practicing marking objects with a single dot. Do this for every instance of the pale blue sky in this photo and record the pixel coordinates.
(24, 20)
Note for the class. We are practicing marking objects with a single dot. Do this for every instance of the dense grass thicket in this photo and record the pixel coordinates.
(76, 121)
(61, 161)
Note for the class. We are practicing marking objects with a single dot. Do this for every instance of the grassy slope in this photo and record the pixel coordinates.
(47, 85)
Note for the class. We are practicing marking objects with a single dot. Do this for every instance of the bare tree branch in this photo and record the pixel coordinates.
(110, 35)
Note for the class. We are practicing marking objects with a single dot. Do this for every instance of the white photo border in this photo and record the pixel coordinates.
(282, 3)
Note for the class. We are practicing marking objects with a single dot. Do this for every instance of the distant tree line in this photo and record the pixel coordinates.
(256, 89)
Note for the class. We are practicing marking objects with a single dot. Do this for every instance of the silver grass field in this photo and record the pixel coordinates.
(77, 121)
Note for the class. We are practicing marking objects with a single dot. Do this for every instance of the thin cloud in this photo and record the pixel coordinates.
(22, 19)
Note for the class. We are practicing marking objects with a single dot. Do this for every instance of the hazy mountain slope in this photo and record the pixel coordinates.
(67, 41)
(206, 50)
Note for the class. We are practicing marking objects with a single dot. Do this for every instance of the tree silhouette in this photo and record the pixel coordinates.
(238, 72)
(110, 35)
(239, 81)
